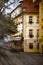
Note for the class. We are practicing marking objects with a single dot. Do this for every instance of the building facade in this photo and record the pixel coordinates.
(31, 32)
(26, 16)
(41, 26)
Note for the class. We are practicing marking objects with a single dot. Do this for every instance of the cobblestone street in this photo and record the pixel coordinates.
(20, 58)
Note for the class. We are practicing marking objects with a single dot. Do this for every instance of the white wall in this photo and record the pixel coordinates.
(16, 12)
(20, 27)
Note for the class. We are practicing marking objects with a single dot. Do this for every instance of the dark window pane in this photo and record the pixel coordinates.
(30, 33)
(37, 32)
(30, 19)
(31, 45)
(37, 19)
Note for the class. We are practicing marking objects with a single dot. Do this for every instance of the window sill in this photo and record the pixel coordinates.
(31, 36)
(30, 22)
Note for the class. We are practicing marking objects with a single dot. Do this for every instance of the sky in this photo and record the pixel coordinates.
(11, 7)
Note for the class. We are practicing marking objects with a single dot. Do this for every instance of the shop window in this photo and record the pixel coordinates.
(31, 45)
(30, 19)
(30, 33)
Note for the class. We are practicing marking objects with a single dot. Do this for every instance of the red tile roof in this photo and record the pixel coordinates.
(30, 6)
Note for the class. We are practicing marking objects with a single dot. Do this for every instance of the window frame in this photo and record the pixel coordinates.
(30, 19)
(37, 20)
(37, 32)
(31, 35)
(30, 45)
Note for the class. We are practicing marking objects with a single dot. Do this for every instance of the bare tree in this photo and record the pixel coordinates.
(6, 24)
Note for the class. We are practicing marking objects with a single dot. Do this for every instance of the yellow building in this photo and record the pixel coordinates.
(41, 26)
(26, 16)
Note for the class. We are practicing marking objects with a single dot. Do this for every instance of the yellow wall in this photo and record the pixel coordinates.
(41, 24)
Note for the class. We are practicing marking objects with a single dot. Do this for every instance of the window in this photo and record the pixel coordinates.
(42, 31)
(31, 45)
(37, 39)
(36, 7)
(30, 33)
(42, 16)
(37, 19)
(30, 19)
(37, 32)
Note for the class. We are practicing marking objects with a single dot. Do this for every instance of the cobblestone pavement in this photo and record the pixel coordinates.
(20, 58)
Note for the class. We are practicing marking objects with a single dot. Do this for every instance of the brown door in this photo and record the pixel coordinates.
(42, 49)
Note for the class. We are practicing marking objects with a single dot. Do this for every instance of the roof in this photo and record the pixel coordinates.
(30, 6)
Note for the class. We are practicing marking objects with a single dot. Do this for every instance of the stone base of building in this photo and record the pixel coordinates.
(29, 50)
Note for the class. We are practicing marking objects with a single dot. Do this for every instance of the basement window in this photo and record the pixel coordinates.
(37, 32)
